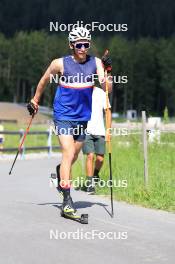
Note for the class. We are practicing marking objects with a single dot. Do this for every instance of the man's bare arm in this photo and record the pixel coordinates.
(55, 67)
(101, 76)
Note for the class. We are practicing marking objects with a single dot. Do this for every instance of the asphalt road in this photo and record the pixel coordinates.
(32, 231)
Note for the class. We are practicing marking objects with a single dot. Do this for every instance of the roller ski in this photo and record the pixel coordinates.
(68, 211)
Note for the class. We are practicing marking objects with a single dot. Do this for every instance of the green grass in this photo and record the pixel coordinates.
(31, 140)
(127, 164)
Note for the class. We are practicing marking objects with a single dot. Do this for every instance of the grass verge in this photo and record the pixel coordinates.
(127, 165)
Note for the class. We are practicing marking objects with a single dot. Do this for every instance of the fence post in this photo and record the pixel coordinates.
(49, 142)
(145, 150)
(21, 131)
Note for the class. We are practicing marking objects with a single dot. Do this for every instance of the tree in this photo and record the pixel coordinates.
(166, 58)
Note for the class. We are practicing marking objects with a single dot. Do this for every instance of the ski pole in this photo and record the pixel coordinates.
(108, 139)
(21, 144)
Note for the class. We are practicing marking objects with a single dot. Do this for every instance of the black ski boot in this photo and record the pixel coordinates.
(90, 185)
(68, 206)
(96, 178)
(68, 211)
(59, 188)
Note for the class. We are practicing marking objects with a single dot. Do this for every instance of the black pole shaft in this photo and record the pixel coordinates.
(14, 162)
(111, 189)
(22, 142)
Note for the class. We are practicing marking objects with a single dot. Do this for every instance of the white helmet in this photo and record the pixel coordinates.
(79, 33)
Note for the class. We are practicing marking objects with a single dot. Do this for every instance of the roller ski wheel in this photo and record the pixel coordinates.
(83, 218)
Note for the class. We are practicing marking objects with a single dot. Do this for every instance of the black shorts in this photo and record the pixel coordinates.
(75, 128)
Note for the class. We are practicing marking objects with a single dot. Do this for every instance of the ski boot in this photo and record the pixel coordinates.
(90, 185)
(59, 188)
(96, 178)
(68, 211)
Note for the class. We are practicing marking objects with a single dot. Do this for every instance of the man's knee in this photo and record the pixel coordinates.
(69, 154)
(90, 156)
(100, 158)
(75, 157)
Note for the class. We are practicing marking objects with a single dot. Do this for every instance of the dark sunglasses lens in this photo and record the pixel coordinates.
(86, 45)
(79, 45)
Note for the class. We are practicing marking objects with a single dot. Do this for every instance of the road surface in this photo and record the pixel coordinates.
(32, 231)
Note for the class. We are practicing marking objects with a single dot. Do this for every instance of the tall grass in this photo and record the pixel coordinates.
(31, 140)
(128, 166)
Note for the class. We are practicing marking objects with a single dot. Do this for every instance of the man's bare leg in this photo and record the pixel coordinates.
(90, 164)
(78, 147)
(99, 161)
(70, 151)
(68, 154)
(98, 165)
(89, 184)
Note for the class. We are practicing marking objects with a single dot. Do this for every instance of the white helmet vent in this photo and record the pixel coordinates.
(79, 33)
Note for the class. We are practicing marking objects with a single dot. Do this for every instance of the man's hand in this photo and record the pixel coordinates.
(32, 107)
(107, 62)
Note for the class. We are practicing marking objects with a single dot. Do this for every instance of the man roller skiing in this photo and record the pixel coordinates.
(72, 102)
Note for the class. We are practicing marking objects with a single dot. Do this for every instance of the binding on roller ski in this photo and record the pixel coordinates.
(67, 210)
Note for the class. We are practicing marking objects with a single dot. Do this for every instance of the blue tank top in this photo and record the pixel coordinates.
(73, 98)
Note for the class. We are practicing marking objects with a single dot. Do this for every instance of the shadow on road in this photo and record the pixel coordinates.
(85, 204)
(80, 205)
